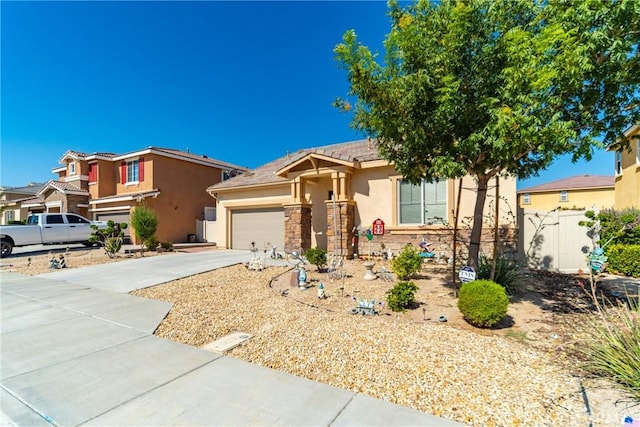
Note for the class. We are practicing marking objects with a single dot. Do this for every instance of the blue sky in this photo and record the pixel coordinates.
(243, 82)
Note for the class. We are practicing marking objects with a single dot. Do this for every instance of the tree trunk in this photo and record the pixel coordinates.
(496, 229)
(478, 222)
(454, 265)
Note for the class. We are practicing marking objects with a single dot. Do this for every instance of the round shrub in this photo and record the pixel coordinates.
(483, 303)
(316, 256)
(407, 263)
(402, 296)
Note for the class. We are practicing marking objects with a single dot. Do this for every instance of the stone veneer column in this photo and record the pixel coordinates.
(345, 217)
(297, 226)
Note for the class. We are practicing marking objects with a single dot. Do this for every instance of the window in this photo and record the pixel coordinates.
(564, 196)
(132, 171)
(425, 203)
(72, 168)
(526, 199)
(75, 219)
(618, 162)
(55, 219)
(93, 172)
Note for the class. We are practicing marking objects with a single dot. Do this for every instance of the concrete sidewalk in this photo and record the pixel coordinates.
(76, 350)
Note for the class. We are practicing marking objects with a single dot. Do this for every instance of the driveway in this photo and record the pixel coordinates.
(77, 350)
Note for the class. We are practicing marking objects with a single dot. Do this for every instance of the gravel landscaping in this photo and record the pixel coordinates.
(474, 378)
(520, 373)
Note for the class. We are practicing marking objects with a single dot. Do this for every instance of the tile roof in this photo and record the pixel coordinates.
(574, 183)
(201, 158)
(63, 187)
(356, 151)
(31, 188)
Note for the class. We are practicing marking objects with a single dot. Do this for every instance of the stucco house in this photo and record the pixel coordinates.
(627, 171)
(104, 186)
(12, 201)
(577, 192)
(318, 196)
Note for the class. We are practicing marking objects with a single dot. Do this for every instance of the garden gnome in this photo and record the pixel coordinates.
(321, 293)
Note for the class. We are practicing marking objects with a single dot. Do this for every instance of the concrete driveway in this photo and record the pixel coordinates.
(77, 350)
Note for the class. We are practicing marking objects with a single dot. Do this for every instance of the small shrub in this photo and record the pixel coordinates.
(152, 243)
(624, 259)
(483, 303)
(316, 256)
(110, 238)
(612, 348)
(145, 223)
(167, 246)
(402, 296)
(508, 273)
(407, 263)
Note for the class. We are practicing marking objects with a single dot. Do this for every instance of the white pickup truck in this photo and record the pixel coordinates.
(47, 229)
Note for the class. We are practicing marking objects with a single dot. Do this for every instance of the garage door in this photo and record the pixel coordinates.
(257, 225)
(118, 218)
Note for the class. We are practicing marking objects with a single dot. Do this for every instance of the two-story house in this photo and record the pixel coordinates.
(14, 199)
(627, 171)
(108, 186)
(577, 192)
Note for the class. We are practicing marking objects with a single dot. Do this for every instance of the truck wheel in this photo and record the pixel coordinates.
(6, 247)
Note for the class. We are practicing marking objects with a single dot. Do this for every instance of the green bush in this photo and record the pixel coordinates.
(402, 296)
(407, 263)
(316, 256)
(621, 226)
(624, 259)
(145, 223)
(151, 244)
(483, 303)
(167, 246)
(110, 238)
(612, 348)
(508, 273)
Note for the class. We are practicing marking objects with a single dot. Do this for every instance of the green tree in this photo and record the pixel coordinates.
(484, 87)
(145, 223)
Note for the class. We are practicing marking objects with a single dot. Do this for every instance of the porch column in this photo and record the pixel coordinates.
(341, 185)
(297, 226)
(341, 223)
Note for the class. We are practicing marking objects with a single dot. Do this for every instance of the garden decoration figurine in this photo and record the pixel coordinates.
(597, 260)
(299, 269)
(63, 262)
(426, 251)
(321, 293)
(53, 263)
(365, 307)
(369, 274)
(256, 262)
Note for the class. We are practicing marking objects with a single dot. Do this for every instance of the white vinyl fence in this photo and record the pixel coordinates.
(206, 231)
(553, 240)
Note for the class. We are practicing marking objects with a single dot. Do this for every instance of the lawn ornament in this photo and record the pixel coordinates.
(597, 260)
(365, 307)
(321, 294)
(256, 263)
(426, 251)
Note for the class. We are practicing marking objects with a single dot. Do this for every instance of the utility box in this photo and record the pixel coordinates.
(191, 238)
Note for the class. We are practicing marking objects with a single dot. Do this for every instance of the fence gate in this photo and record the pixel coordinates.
(553, 240)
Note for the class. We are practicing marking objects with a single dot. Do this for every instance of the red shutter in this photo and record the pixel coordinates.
(123, 172)
(93, 172)
(141, 169)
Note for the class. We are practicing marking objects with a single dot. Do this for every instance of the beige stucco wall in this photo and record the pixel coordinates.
(602, 198)
(374, 192)
(628, 183)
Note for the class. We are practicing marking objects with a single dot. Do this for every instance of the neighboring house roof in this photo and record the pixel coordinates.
(30, 189)
(168, 152)
(63, 187)
(353, 152)
(580, 182)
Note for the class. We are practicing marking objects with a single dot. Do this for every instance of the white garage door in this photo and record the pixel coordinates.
(118, 218)
(261, 226)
